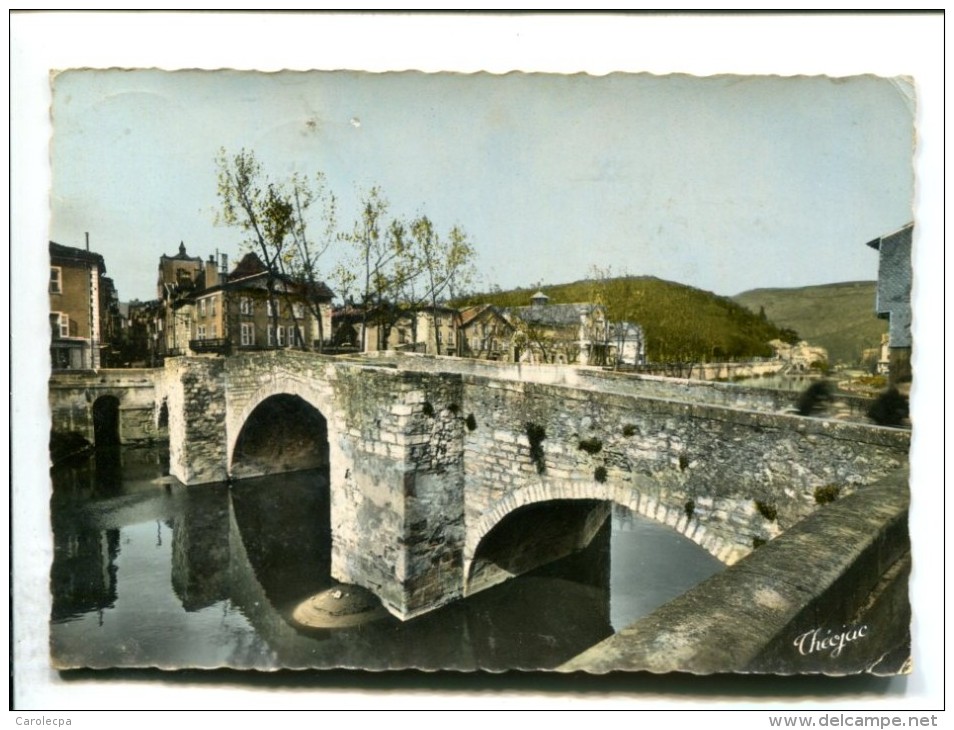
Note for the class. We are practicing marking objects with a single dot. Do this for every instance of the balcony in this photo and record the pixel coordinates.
(216, 345)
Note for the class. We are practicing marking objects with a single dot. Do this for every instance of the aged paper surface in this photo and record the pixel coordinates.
(694, 155)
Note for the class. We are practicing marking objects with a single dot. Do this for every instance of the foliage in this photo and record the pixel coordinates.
(599, 474)
(274, 216)
(471, 422)
(889, 409)
(827, 494)
(591, 445)
(814, 398)
(629, 430)
(535, 435)
(681, 323)
(767, 511)
(397, 267)
(689, 508)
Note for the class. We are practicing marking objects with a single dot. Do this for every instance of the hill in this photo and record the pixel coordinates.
(839, 317)
(681, 323)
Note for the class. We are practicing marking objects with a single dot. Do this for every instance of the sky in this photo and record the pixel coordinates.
(619, 205)
(725, 183)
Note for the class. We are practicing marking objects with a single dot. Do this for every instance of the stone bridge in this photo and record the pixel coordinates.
(449, 476)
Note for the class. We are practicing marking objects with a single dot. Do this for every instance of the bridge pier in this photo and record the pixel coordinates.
(397, 507)
(195, 398)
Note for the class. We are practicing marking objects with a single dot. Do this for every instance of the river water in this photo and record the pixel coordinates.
(149, 573)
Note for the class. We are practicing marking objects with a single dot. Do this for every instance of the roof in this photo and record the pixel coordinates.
(472, 314)
(469, 314)
(251, 267)
(876, 243)
(554, 315)
(61, 253)
(182, 255)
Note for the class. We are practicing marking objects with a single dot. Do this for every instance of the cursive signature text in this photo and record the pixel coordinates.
(826, 640)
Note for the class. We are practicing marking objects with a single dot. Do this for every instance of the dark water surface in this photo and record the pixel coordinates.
(148, 573)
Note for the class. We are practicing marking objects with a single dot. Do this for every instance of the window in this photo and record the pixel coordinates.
(271, 308)
(245, 305)
(271, 335)
(201, 333)
(280, 331)
(56, 280)
(60, 323)
(202, 307)
(212, 307)
(248, 334)
(298, 309)
(213, 331)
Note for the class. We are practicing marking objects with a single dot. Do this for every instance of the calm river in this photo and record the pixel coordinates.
(150, 573)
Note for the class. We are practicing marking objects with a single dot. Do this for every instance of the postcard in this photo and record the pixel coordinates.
(480, 372)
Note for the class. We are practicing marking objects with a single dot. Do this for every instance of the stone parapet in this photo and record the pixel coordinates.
(778, 609)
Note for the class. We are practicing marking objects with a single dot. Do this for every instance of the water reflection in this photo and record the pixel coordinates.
(150, 573)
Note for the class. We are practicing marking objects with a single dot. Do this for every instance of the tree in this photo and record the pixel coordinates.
(399, 267)
(439, 266)
(274, 216)
(373, 269)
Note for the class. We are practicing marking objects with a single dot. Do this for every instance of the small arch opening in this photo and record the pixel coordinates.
(106, 421)
(162, 418)
(284, 433)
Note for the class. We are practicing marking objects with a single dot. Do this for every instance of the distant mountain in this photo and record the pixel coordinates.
(839, 317)
(681, 323)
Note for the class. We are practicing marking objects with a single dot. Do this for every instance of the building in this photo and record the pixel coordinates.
(893, 300)
(627, 344)
(426, 330)
(561, 333)
(800, 356)
(81, 299)
(203, 309)
(180, 276)
(486, 334)
(142, 333)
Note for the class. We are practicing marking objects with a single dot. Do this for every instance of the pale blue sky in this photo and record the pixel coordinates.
(726, 183)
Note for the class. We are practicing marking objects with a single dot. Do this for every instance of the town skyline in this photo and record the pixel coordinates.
(677, 177)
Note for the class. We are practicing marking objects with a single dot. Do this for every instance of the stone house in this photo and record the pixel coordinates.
(486, 334)
(427, 329)
(84, 309)
(893, 299)
(561, 333)
(249, 308)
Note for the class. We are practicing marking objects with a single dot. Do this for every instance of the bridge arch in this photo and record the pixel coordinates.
(625, 495)
(286, 406)
(106, 421)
